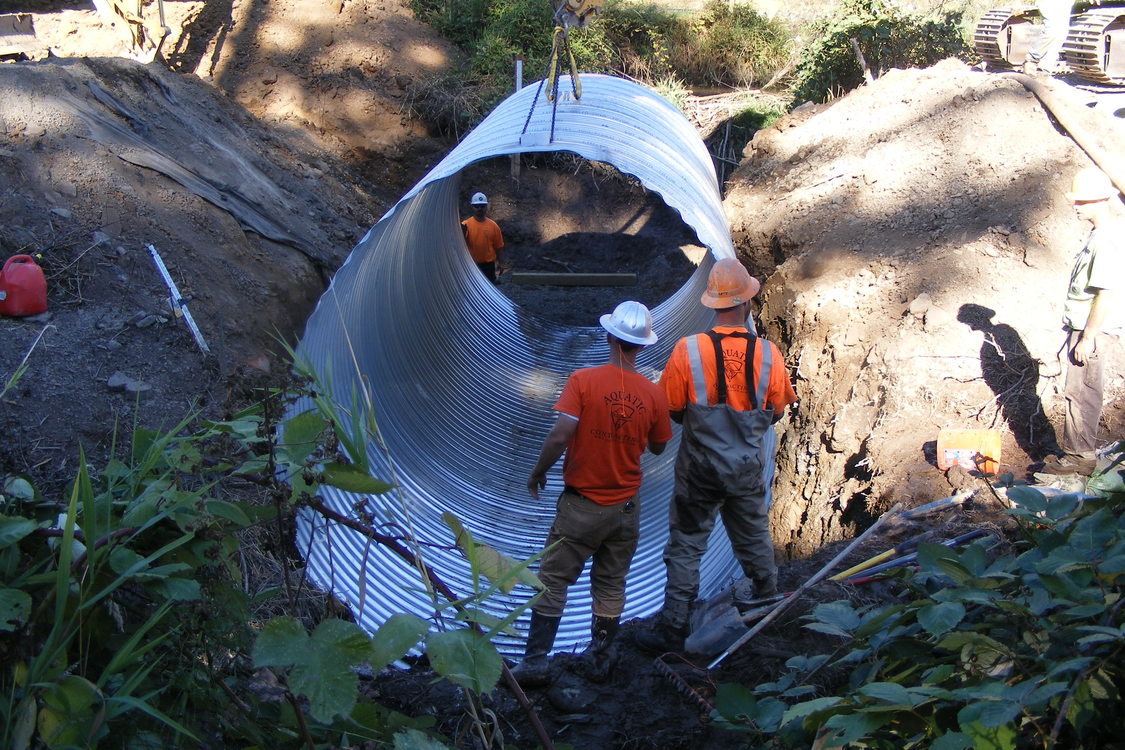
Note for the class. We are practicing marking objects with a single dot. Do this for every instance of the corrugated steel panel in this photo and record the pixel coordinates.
(463, 381)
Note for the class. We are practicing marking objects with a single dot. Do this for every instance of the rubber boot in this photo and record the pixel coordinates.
(535, 669)
(669, 630)
(764, 587)
(602, 655)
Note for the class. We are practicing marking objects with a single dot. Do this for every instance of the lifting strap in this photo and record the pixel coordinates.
(560, 45)
(577, 12)
(756, 391)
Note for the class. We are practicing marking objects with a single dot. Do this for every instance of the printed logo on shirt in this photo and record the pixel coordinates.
(623, 406)
(734, 362)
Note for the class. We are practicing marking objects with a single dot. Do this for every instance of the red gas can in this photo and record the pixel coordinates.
(23, 289)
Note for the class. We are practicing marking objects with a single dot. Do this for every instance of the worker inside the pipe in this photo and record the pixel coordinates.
(483, 237)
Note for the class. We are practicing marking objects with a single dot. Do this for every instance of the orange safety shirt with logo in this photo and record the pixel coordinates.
(677, 381)
(619, 413)
(483, 238)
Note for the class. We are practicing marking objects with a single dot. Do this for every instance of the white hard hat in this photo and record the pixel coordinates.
(478, 199)
(630, 321)
(1091, 184)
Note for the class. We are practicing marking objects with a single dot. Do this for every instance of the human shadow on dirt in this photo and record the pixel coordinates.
(212, 22)
(1012, 374)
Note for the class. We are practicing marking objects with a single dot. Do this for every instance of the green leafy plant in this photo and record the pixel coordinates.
(86, 589)
(723, 46)
(887, 38)
(731, 45)
(1023, 649)
(124, 612)
(317, 667)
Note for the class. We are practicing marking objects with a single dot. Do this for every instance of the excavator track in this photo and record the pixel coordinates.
(1002, 36)
(1095, 46)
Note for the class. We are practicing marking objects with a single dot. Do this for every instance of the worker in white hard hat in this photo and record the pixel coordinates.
(483, 237)
(1093, 318)
(727, 387)
(607, 416)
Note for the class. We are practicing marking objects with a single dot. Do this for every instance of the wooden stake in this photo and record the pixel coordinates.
(862, 61)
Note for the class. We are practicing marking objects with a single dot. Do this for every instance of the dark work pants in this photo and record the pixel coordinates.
(585, 529)
(489, 270)
(1082, 390)
(696, 503)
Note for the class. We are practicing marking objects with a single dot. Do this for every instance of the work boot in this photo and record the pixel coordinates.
(662, 637)
(1069, 464)
(601, 657)
(535, 669)
(669, 630)
(764, 587)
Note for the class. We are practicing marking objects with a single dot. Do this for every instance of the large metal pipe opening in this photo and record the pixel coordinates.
(463, 381)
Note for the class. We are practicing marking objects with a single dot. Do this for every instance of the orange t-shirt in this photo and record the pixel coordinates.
(679, 388)
(619, 413)
(483, 238)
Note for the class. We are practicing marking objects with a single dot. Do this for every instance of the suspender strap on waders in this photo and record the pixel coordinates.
(756, 391)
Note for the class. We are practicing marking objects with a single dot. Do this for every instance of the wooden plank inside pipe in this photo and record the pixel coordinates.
(574, 279)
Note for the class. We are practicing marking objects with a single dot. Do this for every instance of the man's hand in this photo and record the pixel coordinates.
(1104, 301)
(535, 483)
(1083, 350)
(553, 448)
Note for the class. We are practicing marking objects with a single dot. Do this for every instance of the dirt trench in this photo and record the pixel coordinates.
(916, 246)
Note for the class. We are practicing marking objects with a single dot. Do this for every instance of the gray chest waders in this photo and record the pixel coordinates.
(729, 450)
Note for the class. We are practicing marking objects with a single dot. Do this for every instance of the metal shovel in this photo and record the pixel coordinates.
(711, 636)
(714, 635)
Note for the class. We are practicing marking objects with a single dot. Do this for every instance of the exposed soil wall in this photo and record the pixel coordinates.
(916, 244)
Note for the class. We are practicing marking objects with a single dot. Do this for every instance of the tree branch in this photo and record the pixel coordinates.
(408, 556)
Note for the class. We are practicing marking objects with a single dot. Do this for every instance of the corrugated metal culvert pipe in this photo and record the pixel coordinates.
(463, 381)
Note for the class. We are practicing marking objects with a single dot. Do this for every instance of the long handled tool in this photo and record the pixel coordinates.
(957, 499)
(176, 300)
(716, 633)
(788, 601)
(909, 558)
(899, 549)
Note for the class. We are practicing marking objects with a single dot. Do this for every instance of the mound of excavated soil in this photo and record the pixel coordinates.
(916, 245)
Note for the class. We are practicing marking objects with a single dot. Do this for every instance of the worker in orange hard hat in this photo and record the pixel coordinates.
(1093, 318)
(725, 462)
(483, 237)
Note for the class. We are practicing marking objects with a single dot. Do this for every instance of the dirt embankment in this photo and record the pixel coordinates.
(252, 155)
(916, 244)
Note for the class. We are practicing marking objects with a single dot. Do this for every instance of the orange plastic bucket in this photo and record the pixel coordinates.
(23, 287)
(972, 450)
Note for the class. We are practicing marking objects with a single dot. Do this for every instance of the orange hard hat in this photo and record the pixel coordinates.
(729, 284)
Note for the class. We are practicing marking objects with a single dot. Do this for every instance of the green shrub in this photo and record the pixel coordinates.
(760, 114)
(888, 39)
(642, 38)
(723, 46)
(1023, 649)
(459, 21)
(732, 46)
(126, 616)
